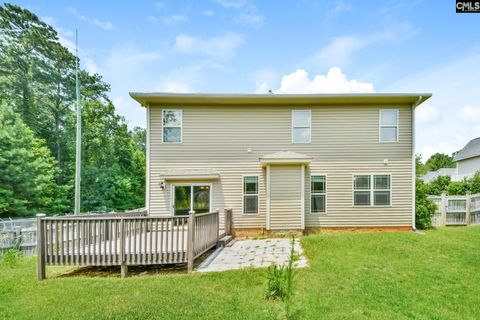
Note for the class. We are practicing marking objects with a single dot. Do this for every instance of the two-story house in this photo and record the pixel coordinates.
(283, 162)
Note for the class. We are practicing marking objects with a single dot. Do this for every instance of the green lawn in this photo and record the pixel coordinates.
(351, 276)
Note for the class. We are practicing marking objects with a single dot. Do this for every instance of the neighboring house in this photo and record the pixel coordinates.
(468, 160)
(283, 162)
(432, 175)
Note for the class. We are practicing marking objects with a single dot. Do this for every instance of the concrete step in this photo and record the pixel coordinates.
(223, 242)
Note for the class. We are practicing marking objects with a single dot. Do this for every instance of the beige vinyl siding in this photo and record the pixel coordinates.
(285, 197)
(340, 209)
(344, 141)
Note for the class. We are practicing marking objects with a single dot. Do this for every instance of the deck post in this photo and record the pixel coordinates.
(228, 222)
(443, 210)
(123, 263)
(40, 248)
(218, 224)
(190, 241)
(467, 207)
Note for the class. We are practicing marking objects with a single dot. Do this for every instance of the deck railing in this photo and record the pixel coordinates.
(456, 210)
(119, 240)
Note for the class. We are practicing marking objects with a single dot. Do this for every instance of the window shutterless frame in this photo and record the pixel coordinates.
(173, 126)
(380, 126)
(372, 189)
(191, 185)
(250, 194)
(309, 127)
(318, 193)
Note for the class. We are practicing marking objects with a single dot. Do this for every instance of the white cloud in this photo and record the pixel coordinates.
(341, 49)
(208, 13)
(333, 82)
(172, 19)
(264, 79)
(220, 47)
(470, 114)
(247, 12)
(342, 7)
(175, 86)
(105, 25)
(426, 113)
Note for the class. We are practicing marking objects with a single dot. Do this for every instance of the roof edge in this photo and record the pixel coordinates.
(164, 98)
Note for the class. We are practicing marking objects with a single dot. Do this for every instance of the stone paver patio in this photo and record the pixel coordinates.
(253, 254)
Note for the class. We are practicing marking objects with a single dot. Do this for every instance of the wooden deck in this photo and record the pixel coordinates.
(124, 241)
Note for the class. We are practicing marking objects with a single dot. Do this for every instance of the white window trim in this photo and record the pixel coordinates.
(372, 190)
(325, 193)
(191, 185)
(180, 126)
(251, 194)
(310, 127)
(380, 125)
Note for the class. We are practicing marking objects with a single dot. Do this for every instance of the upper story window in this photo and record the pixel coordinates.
(301, 126)
(172, 126)
(388, 125)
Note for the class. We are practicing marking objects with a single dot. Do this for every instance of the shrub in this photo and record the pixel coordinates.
(424, 207)
(438, 185)
(475, 183)
(458, 188)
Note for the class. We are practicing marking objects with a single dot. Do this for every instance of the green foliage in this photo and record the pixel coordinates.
(37, 81)
(11, 258)
(458, 188)
(27, 169)
(438, 161)
(438, 185)
(420, 167)
(424, 207)
(475, 183)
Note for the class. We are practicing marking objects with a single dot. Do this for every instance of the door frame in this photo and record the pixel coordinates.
(191, 185)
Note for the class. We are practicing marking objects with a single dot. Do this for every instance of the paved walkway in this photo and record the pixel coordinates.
(253, 253)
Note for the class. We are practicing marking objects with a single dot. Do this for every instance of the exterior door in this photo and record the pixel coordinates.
(196, 197)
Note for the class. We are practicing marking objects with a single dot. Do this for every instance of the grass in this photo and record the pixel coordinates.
(396, 275)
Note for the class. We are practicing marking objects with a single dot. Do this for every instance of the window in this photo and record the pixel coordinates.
(301, 126)
(191, 197)
(388, 125)
(172, 126)
(365, 192)
(250, 194)
(318, 194)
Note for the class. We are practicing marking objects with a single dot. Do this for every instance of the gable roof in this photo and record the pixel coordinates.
(471, 150)
(163, 98)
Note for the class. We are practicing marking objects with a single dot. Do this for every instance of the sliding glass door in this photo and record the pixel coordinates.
(191, 197)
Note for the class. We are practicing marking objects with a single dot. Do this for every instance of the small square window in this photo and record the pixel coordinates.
(362, 198)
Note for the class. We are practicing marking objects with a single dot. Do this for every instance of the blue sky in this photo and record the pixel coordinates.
(295, 46)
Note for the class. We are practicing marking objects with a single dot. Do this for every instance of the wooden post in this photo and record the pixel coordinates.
(217, 229)
(123, 263)
(40, 248)
(467, 207)
(228, 222)
(190, 241)
(18, 238)
(443, 209)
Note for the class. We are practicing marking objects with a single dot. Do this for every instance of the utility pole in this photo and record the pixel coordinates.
(78, 154)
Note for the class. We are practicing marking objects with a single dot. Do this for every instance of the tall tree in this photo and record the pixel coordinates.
(438, 161)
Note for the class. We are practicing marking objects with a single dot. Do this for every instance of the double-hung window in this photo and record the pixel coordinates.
(388, 125)
(172, 126)
(318, 194)
(301, 126)
(372, 189)
(250, 194)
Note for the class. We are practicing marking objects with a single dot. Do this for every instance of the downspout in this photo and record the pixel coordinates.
(414, 175)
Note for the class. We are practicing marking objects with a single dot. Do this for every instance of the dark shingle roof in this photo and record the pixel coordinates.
(472, 149)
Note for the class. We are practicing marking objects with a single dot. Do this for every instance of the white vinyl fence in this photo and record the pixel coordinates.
(456, 210)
